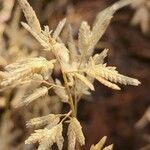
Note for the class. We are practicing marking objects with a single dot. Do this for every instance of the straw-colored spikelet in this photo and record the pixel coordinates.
(106, 75)
(47, 137)
(60, 92)
(84, 80)
(75, 134)
(42, 91)
(30, 16)
(25, 69)
(100, 145)
(50, 120)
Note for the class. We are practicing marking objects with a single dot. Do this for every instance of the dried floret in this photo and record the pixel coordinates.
(105, 74)
(75, 134)
(100, 145)
(82, 88)
(101, 23)
(24, 69)
(47, 137)
(30, 16)
(71, 45)
(39, 92)
(42, 38)
(110, 147)
(51, 120)
(61, 93)
(59, 29)
(99, 58)
(84, 80)
(84, 39)
(88, 38)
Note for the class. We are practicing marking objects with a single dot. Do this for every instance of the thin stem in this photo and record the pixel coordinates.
(81, 60)
(66, 116)
(67, 88)
(50, 87)
(77, 71)
(75, 97)
(69, 94)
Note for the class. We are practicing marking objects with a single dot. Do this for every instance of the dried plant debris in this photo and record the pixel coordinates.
(142, 14)
(79, 68)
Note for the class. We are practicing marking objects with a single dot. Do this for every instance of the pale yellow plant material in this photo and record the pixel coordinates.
(99, 58)
(100, 145)
(75, 134)
(84, 39)
(25, 69)
(105, 74)
(47, 137)
(110, 147)
(59, 28)
(85, 80)
(30, 16)
(71, 44)
(50, 120)
(88, 38)
(142, 14)
(2, 102)
(42, 91)
(60, 92)
(79, 69)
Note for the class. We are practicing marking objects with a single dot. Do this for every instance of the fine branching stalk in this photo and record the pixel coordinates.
(79, 68)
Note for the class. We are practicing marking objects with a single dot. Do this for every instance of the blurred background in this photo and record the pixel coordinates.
(123, 115)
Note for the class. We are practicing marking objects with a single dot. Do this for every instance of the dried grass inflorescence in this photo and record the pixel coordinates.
(79, 68)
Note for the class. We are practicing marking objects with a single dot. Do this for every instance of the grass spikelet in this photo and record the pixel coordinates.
(30, 16)
(71, 44)
(47, 137)
(35, 95)
(84, 38)
(59, 28)
(105, 74)
(84, 80)
(110, 147)
(99, 58)
(100, 145)
(61, 93)
(24, 69)
(50, 120)
(75, 134)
